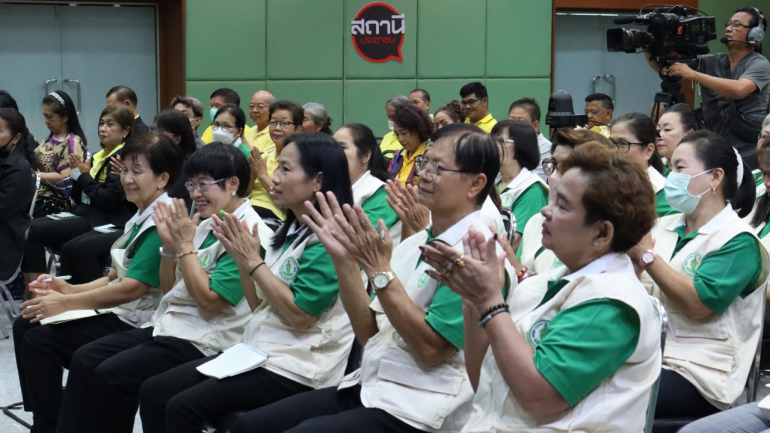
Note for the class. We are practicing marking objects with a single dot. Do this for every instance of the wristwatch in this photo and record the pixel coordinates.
(165, 254)
(380, 280)
(648, 257)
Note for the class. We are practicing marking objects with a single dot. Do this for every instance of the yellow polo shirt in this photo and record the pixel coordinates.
(601, 129)
(390, 145)
(259, 196)
(408, 165)
(260, 139)
(487, 123)
(207, 136)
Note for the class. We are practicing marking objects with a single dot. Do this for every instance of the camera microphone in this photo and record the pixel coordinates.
(725, 40)
(625, 20)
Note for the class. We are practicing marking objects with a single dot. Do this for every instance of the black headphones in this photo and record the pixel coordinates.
(756, 34)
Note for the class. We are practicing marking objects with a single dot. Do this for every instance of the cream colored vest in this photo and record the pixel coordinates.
(619, 404)
(178, 314)
(361, 192)
(437, 399)
(140, 311)
(713, 353)
(491, 216)
(531, 243)
(518, 185)
(657, 180)
(315, 357)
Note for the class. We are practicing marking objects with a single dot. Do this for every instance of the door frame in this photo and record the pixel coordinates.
(170, 41)
(598, 6)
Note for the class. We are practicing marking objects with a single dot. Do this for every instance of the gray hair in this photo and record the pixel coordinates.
(319, 114)
(398, 101)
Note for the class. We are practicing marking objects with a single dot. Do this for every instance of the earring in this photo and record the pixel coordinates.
(596, 245)
(232, 193)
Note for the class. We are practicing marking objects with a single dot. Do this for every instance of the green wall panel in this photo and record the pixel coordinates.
(357, 67)
(327, 92)
(217, 33)
(443, 91)
(365, 101)
(504, 91)
(304, 39)
(203, 89)
(518, 42)
(450, 38)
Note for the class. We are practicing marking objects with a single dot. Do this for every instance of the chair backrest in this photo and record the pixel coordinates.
(34, 197)
(661, 310)
(753, 380)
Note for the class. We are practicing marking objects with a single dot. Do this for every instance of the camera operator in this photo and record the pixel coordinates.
(735, 87)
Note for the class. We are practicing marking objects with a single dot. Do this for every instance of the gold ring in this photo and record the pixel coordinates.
(459, 261)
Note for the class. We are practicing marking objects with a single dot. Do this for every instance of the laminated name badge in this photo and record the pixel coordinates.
(234, 361)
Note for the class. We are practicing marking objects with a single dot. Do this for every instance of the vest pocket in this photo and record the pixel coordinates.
(425, 396)
(682, 326)
(183, 321)
(290, 350)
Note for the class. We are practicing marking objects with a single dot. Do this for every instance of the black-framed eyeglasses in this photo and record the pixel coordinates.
(550, 165)
(466, 102)
(281, 123)
(430, 170)
(623, 145)
(202, 187)
(735, 25)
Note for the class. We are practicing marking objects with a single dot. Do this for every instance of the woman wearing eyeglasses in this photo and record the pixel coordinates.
(522, 192)
(412, 127)
(228, 126)
(286, 119)
(126, 298)
(203, 309)
(634, 135)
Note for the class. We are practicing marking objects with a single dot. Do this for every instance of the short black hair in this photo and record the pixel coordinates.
(528, 104)
(236, 112)
(220, 161)
(296, 110)
(606, 100)
(474, 88)
(475, 152)
(415, 121)
(643, 128)
(526, 149)
(161, 152)
(123, 93)
(319, 153)
(229, 95)
(687, 117)
(425, 95)
(177, 123)
(7, 101)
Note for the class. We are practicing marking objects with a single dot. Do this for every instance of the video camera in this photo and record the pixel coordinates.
(561, 113)
(668, 29)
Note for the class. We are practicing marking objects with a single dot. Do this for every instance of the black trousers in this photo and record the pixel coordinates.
(678, 398)
(42, 351)
(182, 399)
(105, 377)
(45, 232)
(83, 257)
(324, 410)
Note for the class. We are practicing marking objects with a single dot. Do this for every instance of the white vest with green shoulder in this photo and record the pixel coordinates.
(436, 399)
(518, 185)
(531, 245)
(657, 180)
(315, 357)
(140, 311)
(619, 403)
(364, 188)
(713, 353)
(178, 314)
(758, 229)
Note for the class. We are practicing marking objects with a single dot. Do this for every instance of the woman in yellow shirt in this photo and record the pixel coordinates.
(412, 127)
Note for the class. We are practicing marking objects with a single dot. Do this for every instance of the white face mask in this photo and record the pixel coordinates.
(391, 126)
(223, 135)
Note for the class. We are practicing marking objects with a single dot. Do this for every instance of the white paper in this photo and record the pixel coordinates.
(234, 361)
(69, 316)
(107, 228)
(60, 215)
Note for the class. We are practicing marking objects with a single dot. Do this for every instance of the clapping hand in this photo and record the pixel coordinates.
(371, 248)
(76, 162)
(324, 225)
(174, 226)
(405, 202)
(241, 243)
(117, 165)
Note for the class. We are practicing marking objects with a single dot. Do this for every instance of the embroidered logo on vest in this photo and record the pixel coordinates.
(536, 332)
(690, 264)
(507, 200)
(557, 262)
(423, 279)
(205, 258)
(289, 268)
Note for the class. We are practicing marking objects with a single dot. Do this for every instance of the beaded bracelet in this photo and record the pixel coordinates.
(187, 253)
(483, 322)
(494, 308)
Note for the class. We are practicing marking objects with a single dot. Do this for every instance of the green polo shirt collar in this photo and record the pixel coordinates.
(678, 226)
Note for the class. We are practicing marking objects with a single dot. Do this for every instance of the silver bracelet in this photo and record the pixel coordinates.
(483, 322)
(165, 254)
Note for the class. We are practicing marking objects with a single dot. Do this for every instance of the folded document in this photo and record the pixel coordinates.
(234, 361)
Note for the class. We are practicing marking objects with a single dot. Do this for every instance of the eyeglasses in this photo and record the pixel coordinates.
(281, 123)
(223, 126)
(202, 187)
(258, 107)
(623, 145)
(735, 25)
(466, 102)
(550, 165)
(193, 118)
(430, 170)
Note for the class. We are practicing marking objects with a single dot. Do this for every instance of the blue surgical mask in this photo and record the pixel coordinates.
(677, 195)
(391, 125)
(213, 113)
